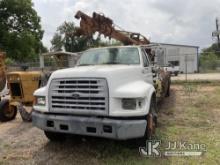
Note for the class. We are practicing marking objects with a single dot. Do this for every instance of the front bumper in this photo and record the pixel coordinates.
(121, 129)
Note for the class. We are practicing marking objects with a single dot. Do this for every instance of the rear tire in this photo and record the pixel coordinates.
(168, 90)
(7, 112)
(54, 136)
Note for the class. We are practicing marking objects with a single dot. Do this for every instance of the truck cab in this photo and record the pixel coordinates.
(111, 93)
(173, 68)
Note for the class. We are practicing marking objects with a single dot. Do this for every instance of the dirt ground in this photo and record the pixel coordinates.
(191, 114)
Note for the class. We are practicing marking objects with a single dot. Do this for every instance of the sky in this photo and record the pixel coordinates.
(189, 22)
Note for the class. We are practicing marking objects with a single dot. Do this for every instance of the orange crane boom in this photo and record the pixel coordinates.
(104, 25)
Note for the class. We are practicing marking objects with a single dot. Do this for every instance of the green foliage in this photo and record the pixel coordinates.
(57, 42)
(213, 48)
(72, 42)
(209, 61)
(9, 61)
(210, 58)
(190, 89)
(20, 29)
(66, 38)
(43, 49)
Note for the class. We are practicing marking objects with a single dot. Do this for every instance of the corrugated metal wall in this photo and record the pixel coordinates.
(186, 55)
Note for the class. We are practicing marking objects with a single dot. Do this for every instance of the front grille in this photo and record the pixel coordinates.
(79, 96)
(15, 89)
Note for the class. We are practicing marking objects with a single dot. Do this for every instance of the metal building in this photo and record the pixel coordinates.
(184, 56)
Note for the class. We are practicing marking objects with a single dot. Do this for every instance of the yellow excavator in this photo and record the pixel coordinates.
(16, 91)
(17, 87)
(6, 113)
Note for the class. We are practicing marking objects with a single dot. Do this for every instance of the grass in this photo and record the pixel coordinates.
(191, 118)
(191, 114)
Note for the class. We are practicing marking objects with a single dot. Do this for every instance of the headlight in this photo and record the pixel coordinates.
(129, 104)
(40, 100)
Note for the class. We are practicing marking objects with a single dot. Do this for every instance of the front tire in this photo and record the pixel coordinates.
(7, 112)
(151, 119)
(54, 136)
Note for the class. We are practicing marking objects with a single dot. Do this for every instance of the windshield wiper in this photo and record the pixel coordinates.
(106, 63)
(110, 63)
(84, 64)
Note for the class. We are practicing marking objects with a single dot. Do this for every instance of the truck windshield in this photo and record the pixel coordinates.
(126, 56)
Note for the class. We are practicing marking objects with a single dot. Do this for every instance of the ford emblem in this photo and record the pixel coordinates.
(75, 95)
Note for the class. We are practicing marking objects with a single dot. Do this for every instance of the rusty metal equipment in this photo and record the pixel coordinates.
(2, 72)
(104, 25)
(6, 111)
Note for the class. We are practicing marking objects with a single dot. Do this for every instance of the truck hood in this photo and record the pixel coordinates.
(123, 81)
(118, 76)
(98, 71)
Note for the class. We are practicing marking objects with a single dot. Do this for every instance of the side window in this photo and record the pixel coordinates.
(145, 60)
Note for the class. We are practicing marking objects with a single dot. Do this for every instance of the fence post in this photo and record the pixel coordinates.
(186, 67)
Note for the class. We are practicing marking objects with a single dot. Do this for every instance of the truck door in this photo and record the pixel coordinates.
(147, 69)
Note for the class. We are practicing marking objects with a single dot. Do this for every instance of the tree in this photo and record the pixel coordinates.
(20, 29)
(66, 37)
(213, 48)
(210, 58)
(57, 42)
(209, 61)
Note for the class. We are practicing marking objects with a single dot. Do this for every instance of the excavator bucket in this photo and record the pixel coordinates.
(25, 114)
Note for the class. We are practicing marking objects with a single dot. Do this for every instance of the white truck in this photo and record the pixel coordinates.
(173, 69)
(111, 93)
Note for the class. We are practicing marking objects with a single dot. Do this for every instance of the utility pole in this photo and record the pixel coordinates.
(217, 28)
